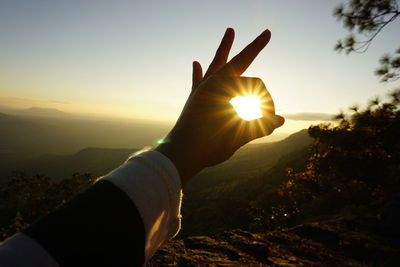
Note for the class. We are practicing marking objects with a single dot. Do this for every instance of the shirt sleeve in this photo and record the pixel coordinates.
(152, 182)
(119, 221)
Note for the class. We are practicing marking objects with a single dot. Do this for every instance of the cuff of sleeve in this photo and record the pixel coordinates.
(21, 250)
(152, 182)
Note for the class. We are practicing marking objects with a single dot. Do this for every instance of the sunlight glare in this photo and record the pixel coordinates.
(247, 107)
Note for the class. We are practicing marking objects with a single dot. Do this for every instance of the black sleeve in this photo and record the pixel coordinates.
(99, 227)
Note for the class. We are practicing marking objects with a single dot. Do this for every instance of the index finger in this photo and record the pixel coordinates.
(222, 53)
(242, 61)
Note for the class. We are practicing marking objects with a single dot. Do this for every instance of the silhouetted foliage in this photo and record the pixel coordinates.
(367, 18)
(353, 168)
(27, 198)
(390, 67)
(17, 225)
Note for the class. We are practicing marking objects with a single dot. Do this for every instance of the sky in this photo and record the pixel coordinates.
(132, 59)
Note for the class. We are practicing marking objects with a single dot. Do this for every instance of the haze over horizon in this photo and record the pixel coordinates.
(132, 59)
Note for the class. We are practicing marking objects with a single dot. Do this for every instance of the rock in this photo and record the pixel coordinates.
(332, 243)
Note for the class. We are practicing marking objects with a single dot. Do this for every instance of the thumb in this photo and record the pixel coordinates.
(279, 121)
(197, 74)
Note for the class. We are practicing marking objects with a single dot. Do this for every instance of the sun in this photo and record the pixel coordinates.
(247, 107)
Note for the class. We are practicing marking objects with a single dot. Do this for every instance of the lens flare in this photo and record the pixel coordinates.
(247, 107)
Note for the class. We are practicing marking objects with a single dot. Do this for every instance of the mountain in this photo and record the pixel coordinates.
(38, 112)
(250, 160)
(247, 181)
(252, 174)
(42, 112)
(339, 242)
(35, 146)
(27, 137)
(96, 161)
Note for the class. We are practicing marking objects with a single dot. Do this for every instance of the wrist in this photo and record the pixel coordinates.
(184, 162)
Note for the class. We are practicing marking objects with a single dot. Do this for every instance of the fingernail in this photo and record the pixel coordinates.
(266, 34)
(280, 120)
(228, 30)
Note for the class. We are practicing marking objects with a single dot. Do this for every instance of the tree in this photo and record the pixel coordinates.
(26, 198)
(17, 225)
(367, 18)
(353, 168)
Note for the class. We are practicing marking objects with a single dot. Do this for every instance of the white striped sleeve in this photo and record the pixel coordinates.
(152, 182)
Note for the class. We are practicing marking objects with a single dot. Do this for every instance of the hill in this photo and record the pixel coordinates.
(250, 160)
(41, 112)
(27, 137)
(96, 161)
(245, 183)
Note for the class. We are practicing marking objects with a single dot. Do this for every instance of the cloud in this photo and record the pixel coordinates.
(309, 116)
(58, 102)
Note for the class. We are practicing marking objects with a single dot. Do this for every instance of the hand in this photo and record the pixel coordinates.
(208, 130)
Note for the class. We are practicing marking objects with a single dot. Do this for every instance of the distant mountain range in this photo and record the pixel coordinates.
(26, 137)
(250, 177)
(96, 161)
(38, 111)
(58, 147)
(253, 159)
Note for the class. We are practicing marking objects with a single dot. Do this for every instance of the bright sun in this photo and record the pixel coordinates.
(247, 107)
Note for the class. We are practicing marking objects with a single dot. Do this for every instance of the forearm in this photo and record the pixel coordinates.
(120, 221)
(99, 227)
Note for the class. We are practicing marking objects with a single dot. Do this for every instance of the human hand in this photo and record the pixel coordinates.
(209, 130)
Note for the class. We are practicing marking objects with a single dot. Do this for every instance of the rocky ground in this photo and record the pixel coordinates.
(339, 242)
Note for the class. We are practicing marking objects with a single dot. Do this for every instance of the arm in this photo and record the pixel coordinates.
(126, 216)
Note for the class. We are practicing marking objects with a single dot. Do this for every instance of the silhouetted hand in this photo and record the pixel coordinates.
(209, 130)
